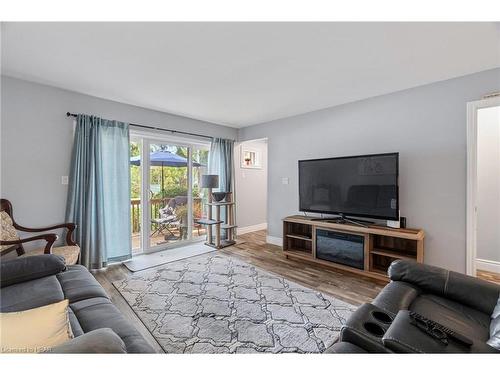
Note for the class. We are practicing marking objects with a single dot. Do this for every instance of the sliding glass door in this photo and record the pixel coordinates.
(166, 197)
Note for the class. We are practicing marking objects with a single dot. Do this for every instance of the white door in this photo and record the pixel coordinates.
(483, 185)
(165, 195)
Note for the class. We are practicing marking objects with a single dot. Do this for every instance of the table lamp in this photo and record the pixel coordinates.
(209, 181)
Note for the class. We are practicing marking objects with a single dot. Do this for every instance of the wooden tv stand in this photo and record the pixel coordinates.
(382, 245)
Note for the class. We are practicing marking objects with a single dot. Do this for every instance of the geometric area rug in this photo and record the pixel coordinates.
(214, 303)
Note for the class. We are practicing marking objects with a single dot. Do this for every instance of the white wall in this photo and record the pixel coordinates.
(36, 143)
(251, 188)
(426, 124)
(488, 184)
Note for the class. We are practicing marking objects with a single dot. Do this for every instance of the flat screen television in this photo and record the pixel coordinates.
(360, 186)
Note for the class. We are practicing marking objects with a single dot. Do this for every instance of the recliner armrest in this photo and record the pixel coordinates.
(29, 268)
(473, 292)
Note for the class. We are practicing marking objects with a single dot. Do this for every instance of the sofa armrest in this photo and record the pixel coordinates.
(467, 290)
(29, 268)
(103, 340)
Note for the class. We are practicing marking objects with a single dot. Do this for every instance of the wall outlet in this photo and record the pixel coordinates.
(64, 180)
(284, 180)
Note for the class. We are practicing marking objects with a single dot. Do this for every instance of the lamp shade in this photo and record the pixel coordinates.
(209, 181)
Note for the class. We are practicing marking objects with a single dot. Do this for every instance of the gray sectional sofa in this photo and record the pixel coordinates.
(97, 324)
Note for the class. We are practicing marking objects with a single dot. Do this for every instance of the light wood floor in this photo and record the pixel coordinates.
(253, 249)
(489, 276)
(344, 285)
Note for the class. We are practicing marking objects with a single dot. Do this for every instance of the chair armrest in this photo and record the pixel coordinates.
(49, 237)
(103, 340)
(29, 268)
(69, 234)
(471, 291)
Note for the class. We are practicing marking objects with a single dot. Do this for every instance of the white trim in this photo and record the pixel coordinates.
(471, 207)
(488, 265)
(278, 241)
(252, 228)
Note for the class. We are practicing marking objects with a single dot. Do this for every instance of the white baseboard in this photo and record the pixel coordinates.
(252, 228)
(488, 265)
(278, 241)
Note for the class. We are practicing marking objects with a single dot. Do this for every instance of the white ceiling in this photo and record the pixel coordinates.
(240, 74)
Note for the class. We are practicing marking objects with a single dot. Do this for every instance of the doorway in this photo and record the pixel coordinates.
(251, 185)
(483, 188)
(166, 199)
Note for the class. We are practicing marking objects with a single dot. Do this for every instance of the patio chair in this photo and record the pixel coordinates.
(168, 220)
(10, 240)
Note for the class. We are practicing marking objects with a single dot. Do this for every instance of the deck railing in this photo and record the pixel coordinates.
(156, 205)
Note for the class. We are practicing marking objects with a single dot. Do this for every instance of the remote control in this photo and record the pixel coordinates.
(432, 325)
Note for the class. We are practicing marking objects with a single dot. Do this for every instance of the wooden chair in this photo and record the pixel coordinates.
(10, 240)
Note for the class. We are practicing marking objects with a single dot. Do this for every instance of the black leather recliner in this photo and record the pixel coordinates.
(462, 303)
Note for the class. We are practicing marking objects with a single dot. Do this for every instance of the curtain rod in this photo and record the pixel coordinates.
(155, 128)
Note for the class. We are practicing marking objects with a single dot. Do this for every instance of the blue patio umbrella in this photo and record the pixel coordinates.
(163, 158)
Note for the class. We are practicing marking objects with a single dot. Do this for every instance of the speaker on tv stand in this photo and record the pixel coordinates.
(397, 224)
(401, 223)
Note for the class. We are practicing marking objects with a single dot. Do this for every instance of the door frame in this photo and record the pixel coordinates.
(471, 206)
(146, 138)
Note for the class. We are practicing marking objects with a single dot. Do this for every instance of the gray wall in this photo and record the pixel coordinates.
(427, 125)
(488, 184)
(36, 142)
(251, 187)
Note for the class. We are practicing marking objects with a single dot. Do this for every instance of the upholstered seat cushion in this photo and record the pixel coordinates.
(79, 284)
(70, 253)
(30, 294)
(95, 313)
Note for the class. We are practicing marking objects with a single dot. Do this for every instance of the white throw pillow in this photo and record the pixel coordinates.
(35, 330)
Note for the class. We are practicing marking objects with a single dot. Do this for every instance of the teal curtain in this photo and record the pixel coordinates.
(221, 162)
(99, 190)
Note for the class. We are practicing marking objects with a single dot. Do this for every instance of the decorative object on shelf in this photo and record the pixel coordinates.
(250, 158)
(212, 182)
(219, 196)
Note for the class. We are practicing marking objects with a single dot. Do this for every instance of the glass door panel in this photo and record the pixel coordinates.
(200, 198)
(168, 192)
(135, 195)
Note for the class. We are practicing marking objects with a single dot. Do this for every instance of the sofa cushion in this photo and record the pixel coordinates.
(100, 341)
(77, 284)
(75, 324)
(95, 313)
(29, 268)
(31, 294)
(467, 290)
(458, 317)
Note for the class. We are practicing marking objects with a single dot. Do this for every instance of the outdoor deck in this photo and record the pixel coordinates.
(159, 239)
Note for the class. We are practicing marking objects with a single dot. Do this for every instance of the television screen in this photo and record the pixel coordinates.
(364, 186)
